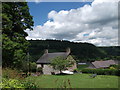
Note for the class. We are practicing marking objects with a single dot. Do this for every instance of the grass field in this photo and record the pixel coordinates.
(74, 81)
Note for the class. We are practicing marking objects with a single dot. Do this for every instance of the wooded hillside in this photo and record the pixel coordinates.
(80, 51)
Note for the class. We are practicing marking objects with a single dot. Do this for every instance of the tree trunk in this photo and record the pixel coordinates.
(60, 71)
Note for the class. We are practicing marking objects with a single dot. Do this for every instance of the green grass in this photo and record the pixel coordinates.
(74, 81)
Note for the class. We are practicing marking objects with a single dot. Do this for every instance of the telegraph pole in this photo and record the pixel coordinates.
(28, 59)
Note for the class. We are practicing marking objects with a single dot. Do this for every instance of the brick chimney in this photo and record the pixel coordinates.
(46, 51)
(68, 51)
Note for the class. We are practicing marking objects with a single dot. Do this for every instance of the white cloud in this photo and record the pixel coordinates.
(36, 1)
(95, 23)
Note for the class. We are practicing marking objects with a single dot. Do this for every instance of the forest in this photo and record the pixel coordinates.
(81, 52)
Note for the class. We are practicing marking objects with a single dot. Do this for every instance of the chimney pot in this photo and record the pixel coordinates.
(68, 51)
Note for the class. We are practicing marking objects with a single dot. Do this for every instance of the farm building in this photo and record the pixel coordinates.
(46, 58)
(103, 64)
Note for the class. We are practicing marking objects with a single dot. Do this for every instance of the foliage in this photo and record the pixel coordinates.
(14, 83)
(25, 66)
(15, 20)
(28, 66)
(115, 66)
(112, 67)
(39, 69)
(33, 66)
(59, 63)
(81, 51)
(80, 67)
(102, 71)
(76, 70)
(12, 78)
(11, 83)
(11, 73)
(112, 51)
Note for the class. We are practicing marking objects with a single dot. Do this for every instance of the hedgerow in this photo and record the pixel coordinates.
(102, 71)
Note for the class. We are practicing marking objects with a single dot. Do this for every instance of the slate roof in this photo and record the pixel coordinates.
(46, 58)
(103, 64)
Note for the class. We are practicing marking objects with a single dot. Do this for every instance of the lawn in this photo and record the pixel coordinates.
(74, 81)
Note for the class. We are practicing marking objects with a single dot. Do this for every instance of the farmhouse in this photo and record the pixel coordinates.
(45, 60)
(102, 64)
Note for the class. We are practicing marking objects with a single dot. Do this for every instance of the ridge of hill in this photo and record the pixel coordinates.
(80, 51)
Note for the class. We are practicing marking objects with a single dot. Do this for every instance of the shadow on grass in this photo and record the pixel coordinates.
(63, 74)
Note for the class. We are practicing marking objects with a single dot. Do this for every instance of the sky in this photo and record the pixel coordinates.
(93, 22)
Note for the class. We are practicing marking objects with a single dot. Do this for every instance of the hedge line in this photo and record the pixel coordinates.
(102, 71)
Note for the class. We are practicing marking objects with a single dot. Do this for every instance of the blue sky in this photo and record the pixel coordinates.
(40, 11)
(92, 22)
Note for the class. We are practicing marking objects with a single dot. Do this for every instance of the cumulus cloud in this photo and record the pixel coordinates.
(96, 23)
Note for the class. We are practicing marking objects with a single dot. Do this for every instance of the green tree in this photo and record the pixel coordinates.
(60, 64)
(15, 20)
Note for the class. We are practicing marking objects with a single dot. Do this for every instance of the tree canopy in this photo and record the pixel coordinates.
(15, 20)
(60, 63)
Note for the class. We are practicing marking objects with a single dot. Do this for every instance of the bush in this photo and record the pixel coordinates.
(29, 67)
(14, 83)
(102, 71)
(33, 67)
(11, 83)
(75, 70)
(39, 69)
(10, 73)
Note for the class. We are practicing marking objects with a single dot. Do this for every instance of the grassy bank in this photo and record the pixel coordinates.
(74, 81)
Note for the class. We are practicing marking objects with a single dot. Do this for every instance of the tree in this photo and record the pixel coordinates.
(15, 20)
(60, 63)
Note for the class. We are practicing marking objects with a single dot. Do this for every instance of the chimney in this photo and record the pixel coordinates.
(46, 51)
(68, 51)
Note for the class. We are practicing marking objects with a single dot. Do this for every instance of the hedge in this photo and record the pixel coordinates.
(102, 71)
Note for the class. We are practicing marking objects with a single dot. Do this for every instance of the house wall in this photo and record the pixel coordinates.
(39, 65)
(74, 66)
(47, 69)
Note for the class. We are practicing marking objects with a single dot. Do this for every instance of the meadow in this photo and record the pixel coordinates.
(74, 81)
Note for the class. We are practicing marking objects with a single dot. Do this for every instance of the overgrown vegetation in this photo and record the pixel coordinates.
(12, 78)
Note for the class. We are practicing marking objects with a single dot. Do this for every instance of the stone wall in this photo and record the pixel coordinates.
(47, 69)
(74, 66)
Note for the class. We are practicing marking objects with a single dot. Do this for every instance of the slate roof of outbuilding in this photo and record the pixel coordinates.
(103, 64)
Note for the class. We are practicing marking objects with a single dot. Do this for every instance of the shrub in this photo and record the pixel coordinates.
(33, 66)
(102, 71)
(75, 70)
(39, 69)
(14, 83)
(10, 73)
(25, 66)
(29, 67)
(11, 83)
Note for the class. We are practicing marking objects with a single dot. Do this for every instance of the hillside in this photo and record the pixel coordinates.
(80, 51)
(112, 51)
